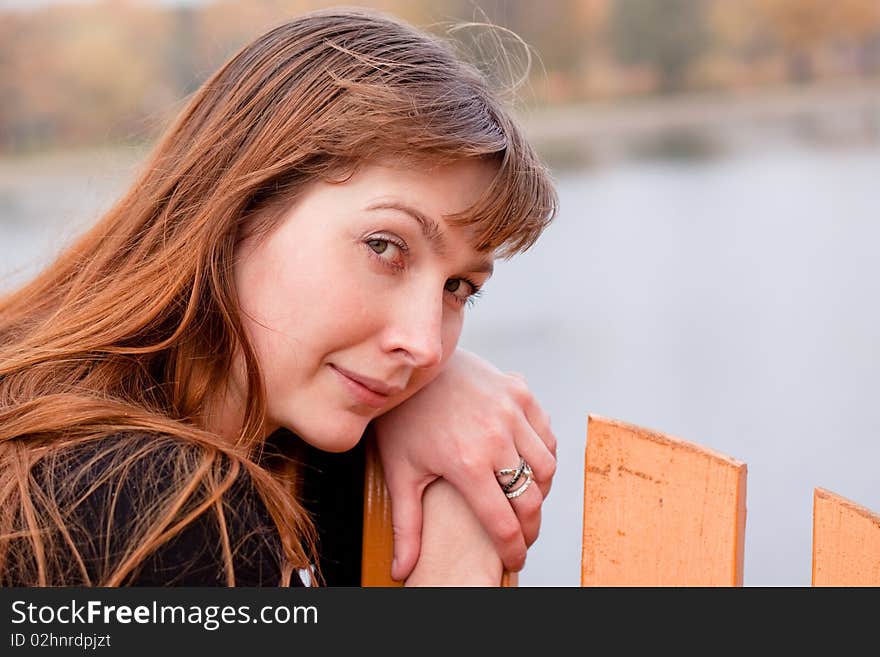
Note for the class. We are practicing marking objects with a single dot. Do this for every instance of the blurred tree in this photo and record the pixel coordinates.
(804, 27)
(559, 34)
(738, 28)
(89, 73)
(801, 26)
(667, 35)
(78, 75)
(9, 31)
(858, 21)
(180, 55)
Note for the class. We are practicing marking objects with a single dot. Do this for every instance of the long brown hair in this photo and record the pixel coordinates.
(132, 328)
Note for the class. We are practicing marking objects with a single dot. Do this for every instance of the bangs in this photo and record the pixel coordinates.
(516, 207)
(512, 212)
(521, 200)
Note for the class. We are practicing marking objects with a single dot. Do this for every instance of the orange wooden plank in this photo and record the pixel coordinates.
(659, 511)
(378, 540)
(378, 536)
(846, 542)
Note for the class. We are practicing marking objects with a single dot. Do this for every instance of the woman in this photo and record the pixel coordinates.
(291, 268)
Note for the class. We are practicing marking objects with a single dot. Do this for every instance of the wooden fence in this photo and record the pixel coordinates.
(661, 511)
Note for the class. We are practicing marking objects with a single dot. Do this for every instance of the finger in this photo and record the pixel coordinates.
(406, 522)
(535, 452)
(527, 506)
(494, 511)
(525, 497)
(539, 421)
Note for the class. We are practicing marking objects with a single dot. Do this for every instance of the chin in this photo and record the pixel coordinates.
(334, 439)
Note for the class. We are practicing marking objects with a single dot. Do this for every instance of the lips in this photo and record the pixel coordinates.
(366, 390)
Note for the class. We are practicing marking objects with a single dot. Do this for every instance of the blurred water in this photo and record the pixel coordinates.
(730, 302)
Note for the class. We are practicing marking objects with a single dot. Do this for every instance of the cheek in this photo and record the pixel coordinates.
(285, 290)
(451, 333)
(299, 323)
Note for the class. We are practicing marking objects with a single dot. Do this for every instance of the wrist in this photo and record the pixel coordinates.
(455, 549)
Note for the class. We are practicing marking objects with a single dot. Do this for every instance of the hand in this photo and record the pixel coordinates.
(455, 548)
(469, 422)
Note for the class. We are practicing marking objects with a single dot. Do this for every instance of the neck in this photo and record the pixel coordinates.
(224, 416)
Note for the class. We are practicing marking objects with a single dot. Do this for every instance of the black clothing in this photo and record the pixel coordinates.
(334, 496)
(102, 519)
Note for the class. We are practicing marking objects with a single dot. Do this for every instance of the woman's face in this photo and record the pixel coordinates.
(356, 300)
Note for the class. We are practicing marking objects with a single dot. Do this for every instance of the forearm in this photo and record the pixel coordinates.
(455, 549)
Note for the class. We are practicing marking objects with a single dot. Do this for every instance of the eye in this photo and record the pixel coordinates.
(379, 246)
(387, 250)
(453, 284)
(463, 290)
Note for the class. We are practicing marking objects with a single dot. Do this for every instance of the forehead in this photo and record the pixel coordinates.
(431, 194)
(441, 189)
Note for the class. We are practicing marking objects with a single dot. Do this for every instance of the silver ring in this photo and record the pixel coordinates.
(517, 472)
(522, 470)
(522, 488)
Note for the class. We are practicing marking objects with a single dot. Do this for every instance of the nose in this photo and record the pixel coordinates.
(415, 329)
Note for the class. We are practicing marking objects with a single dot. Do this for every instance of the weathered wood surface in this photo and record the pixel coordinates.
(659, 511)
(378, 543)
(846, 542)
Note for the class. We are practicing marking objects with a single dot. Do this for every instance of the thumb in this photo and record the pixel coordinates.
(406, 521)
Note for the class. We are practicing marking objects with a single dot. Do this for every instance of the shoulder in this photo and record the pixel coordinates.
(134, 472)
(154, 464)
(156, 510)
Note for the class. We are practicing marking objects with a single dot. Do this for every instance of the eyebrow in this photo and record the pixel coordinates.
(432, 233)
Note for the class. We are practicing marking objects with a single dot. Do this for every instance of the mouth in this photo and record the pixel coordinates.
(366, 391)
